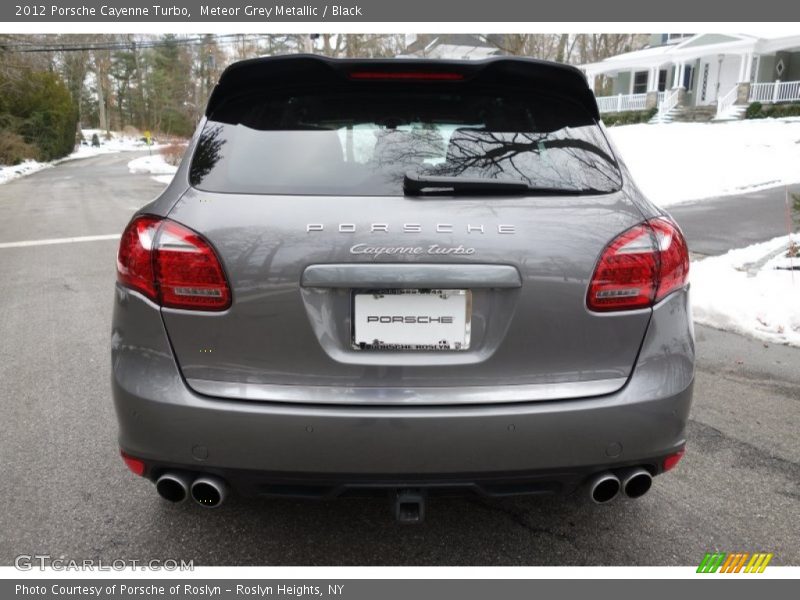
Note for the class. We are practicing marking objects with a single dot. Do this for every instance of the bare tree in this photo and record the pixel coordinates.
(570, 48)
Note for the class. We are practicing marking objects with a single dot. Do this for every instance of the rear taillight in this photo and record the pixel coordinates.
(188, 272)
(135, 256)
(171, 265)
(639, 268)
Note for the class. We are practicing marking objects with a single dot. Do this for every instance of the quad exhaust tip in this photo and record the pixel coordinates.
(636, 482)
(604, 487)
(209, 491)
(173, 487)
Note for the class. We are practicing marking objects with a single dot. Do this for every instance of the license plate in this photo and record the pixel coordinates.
(432, 320)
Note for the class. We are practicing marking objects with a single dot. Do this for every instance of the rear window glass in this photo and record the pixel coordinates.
(362, 141)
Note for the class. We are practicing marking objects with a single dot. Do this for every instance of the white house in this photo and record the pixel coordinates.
(684, 71)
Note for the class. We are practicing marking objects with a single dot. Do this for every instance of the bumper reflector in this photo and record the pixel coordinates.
(673, 459)
(136, 466)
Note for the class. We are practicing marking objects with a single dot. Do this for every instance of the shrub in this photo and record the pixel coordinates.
(173, 153)
(14, 149)
(629, 118)
(40, 109)
(756, 110)
(783, 110)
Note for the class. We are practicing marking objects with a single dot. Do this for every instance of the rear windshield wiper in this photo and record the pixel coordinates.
(415, 184)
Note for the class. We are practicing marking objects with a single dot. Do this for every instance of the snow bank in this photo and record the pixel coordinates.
(745, 291)
(680, 162)
(24, 168)
(117, 143)
(154, 165)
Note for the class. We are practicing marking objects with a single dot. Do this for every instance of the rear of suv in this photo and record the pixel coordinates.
(403, 277)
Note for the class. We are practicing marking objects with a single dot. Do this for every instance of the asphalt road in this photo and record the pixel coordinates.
(66, 493)
(716, 225)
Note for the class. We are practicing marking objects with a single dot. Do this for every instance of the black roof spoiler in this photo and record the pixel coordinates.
(268, 72)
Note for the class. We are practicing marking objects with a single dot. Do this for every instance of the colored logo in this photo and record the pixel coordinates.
(734, 562)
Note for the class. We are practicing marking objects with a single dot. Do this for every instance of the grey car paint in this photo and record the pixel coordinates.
(280, 332)
(285, 393)
(164, 421)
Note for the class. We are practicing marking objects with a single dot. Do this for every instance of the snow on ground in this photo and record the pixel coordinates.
(24, 168)
(117, 143)
(680, 162)
(752, 291)
(155, 165)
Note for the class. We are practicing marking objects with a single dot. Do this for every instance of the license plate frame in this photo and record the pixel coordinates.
(416, 304)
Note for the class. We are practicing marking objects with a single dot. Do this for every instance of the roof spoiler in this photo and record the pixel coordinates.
(269, 72)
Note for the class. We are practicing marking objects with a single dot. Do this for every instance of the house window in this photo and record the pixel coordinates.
(640, 82)
(662, 80)
(688, 77)
(674, 37)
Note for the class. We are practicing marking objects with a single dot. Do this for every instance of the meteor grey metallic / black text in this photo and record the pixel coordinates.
(405, 277)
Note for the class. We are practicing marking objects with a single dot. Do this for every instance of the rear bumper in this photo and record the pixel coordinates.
(261, 446)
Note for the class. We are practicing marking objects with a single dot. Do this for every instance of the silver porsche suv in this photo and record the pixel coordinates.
(401, 277)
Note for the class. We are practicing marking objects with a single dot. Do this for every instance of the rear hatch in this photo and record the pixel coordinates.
(405, 232)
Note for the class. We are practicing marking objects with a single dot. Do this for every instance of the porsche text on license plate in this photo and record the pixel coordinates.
(412, 320)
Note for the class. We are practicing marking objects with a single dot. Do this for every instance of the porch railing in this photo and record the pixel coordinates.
(773, 92)
(669, 102)
(622, 102)
(725, 102)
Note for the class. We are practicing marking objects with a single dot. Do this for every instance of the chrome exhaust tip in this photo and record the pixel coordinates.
(603, 487)
(174, 487)
(209, 491)
(636, 482)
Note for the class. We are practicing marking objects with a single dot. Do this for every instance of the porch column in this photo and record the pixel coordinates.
(653, 87)
(675, 75)
(743, 87)
(682, 75)
(651, 100)
(748, 67)
(590, 80)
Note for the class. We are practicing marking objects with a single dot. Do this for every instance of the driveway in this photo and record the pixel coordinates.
(716, 225)
(66, 492)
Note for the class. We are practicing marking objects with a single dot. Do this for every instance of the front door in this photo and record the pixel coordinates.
(717, 78)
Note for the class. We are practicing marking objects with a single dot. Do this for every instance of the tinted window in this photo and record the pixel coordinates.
(362, 141)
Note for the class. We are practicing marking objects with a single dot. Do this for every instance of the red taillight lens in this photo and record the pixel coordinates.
(673, 459)
(673, 257)
(188, 271)
(136, 466)
(639, 268)
(135, 256)
(625, 276)
(171, 265)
